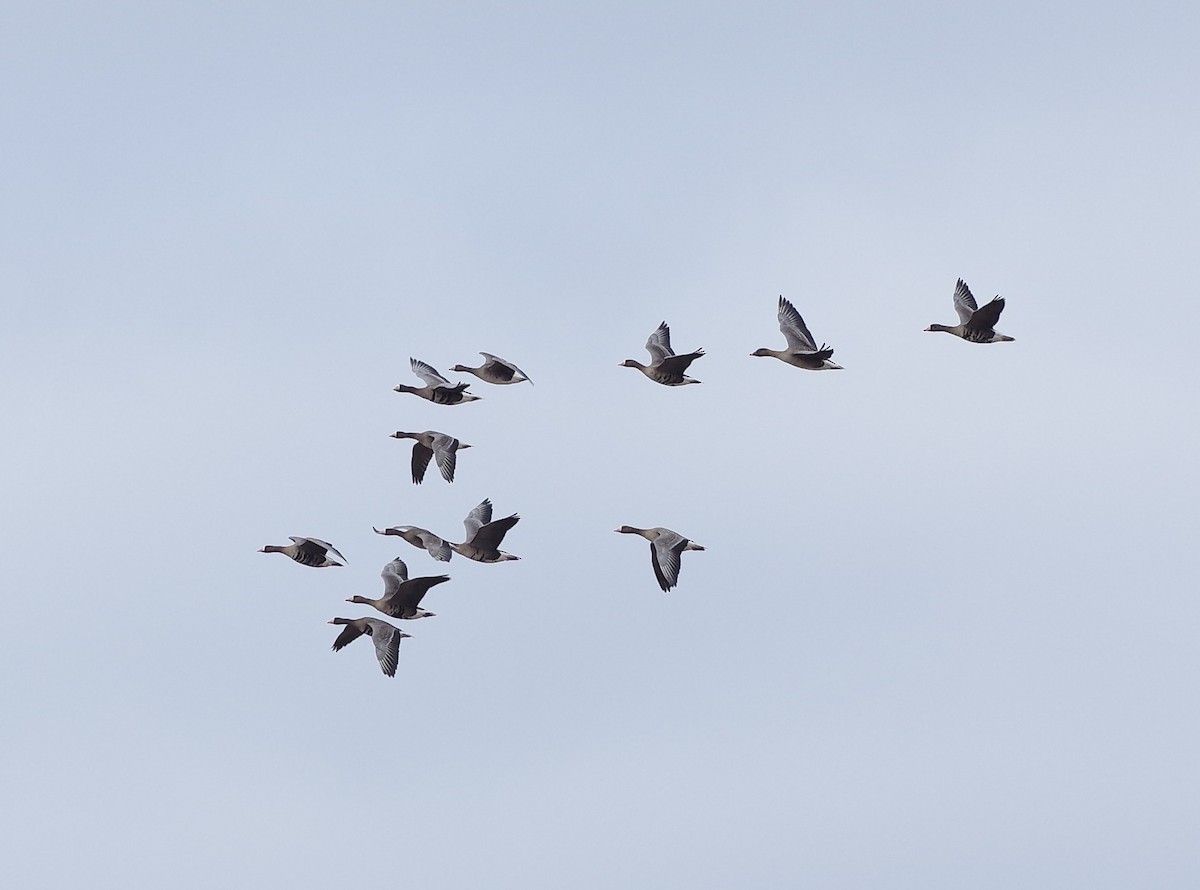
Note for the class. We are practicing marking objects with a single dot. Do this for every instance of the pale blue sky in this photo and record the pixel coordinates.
(943, 635)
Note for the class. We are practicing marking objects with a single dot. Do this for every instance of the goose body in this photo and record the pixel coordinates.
(401, 597)
(801, 351)
(386, 637)
(975, 325)
(665, 366)
(483, 537)
(495, 370)
(437, 389)
(431, 444)
(308, 552)
(422, 538)
(665, 549)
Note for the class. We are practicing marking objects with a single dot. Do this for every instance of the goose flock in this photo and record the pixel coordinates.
(482, 537)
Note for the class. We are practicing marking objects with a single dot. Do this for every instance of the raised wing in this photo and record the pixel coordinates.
(427, 373)
(411, 592)
(984, 320)
(477, 518)
(677, 364)
(964, 303)
(793, 328)
(394, 574)
(490, 535)
(659, 344)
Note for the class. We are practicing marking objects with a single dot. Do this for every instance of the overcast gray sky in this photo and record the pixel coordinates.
(944, 631)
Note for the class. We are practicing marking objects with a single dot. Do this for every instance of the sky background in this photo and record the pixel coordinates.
(944, 631)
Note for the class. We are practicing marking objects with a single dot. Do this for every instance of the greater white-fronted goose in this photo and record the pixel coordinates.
(665, 547)
(975, 325)
(422, 538)
(432, 444)
(665, 366)
(401, 597)
(495, 370)
(308, 552)
(484, 536)
(386, 637)
(801, 349)
(437, 388)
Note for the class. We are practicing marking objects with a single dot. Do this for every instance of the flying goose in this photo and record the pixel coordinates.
(483, 537)
(421, 538)
(495, 370)
(401, 597)
(432, 444)
(386, 637)
(665, 547)
(437, 388)
(801, 349)
(308, 552)
(665, 366)
(974, 324)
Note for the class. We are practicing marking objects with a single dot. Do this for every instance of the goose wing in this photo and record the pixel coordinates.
(664, 556)
(420, 460)
(438, 548)
(793, 328)
(478, 518)
(659, 344)
(349, 634)
(964, 303)
(503, 368)
(984, 320)
(387, 644)
(317, 548)
(677, 364)
(497, 368)
(394, 574)
(427, 373)
(445, 449)
(410, 593)
(490, 535)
